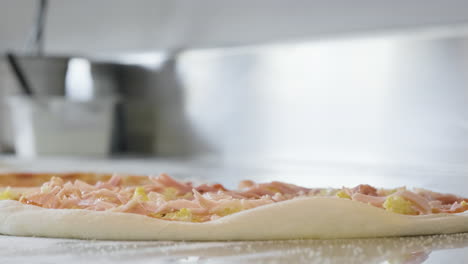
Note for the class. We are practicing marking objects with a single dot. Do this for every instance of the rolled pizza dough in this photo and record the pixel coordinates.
(311, 217)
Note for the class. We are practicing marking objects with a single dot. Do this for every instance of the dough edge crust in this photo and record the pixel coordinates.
(300, 218)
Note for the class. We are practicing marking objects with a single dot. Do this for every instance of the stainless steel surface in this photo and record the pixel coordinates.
(45, 74)
(7, 83)
(19, 74)
(135, 84)
(399, 99)
(385, 99)
(152, 25)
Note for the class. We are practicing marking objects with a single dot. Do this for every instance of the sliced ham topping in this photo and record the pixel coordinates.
(365, 189)
(83, 186)
(246, 184)
(166, 198)
(100, 205)
(204, 202)
(457, 207)
(115, 181)
(258, 190)
(47, 200)
(421, 204)
(166, 181)
(373, 200)
(210, 188)
(444, 198)
(103, 195)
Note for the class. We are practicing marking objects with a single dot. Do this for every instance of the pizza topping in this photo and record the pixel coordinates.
(373, 200)
(343, 194)
(420, 204)
(445, 199)
(252, 190)
(140, 194)
(8, 195)
(364, 189)
(183, 214)
(168, 199)
(399, 205)
(168, 182)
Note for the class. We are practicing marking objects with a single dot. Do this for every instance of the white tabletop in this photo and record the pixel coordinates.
(428, 249)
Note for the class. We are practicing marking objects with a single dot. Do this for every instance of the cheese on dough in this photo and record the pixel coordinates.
(308, 217)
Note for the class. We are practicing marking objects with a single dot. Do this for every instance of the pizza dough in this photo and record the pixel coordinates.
(310, 217)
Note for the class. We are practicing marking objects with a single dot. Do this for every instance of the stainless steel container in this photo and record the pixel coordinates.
(84, 79)
(135, 125)
(46, 76)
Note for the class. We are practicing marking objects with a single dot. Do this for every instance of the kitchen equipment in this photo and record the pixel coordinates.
(56, 126)
(46, 75)
(135, 126)
(86, 79)
(36, 41)
(19, 74)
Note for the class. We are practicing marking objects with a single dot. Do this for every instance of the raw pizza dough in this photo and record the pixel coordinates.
(311, 217)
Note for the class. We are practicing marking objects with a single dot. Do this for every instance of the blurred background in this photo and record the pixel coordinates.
(375, 85)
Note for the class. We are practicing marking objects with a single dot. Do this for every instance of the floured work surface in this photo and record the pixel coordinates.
(428, 249)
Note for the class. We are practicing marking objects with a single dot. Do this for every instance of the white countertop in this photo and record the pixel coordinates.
(427, 249)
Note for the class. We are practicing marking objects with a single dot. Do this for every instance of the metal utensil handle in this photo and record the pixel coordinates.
(39, 31)
(19, 73)
(35, 43)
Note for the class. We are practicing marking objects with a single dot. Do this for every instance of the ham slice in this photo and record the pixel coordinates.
(365, 189)
(167, 198)
(422, 205)
(166, 181)
(369, 199)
